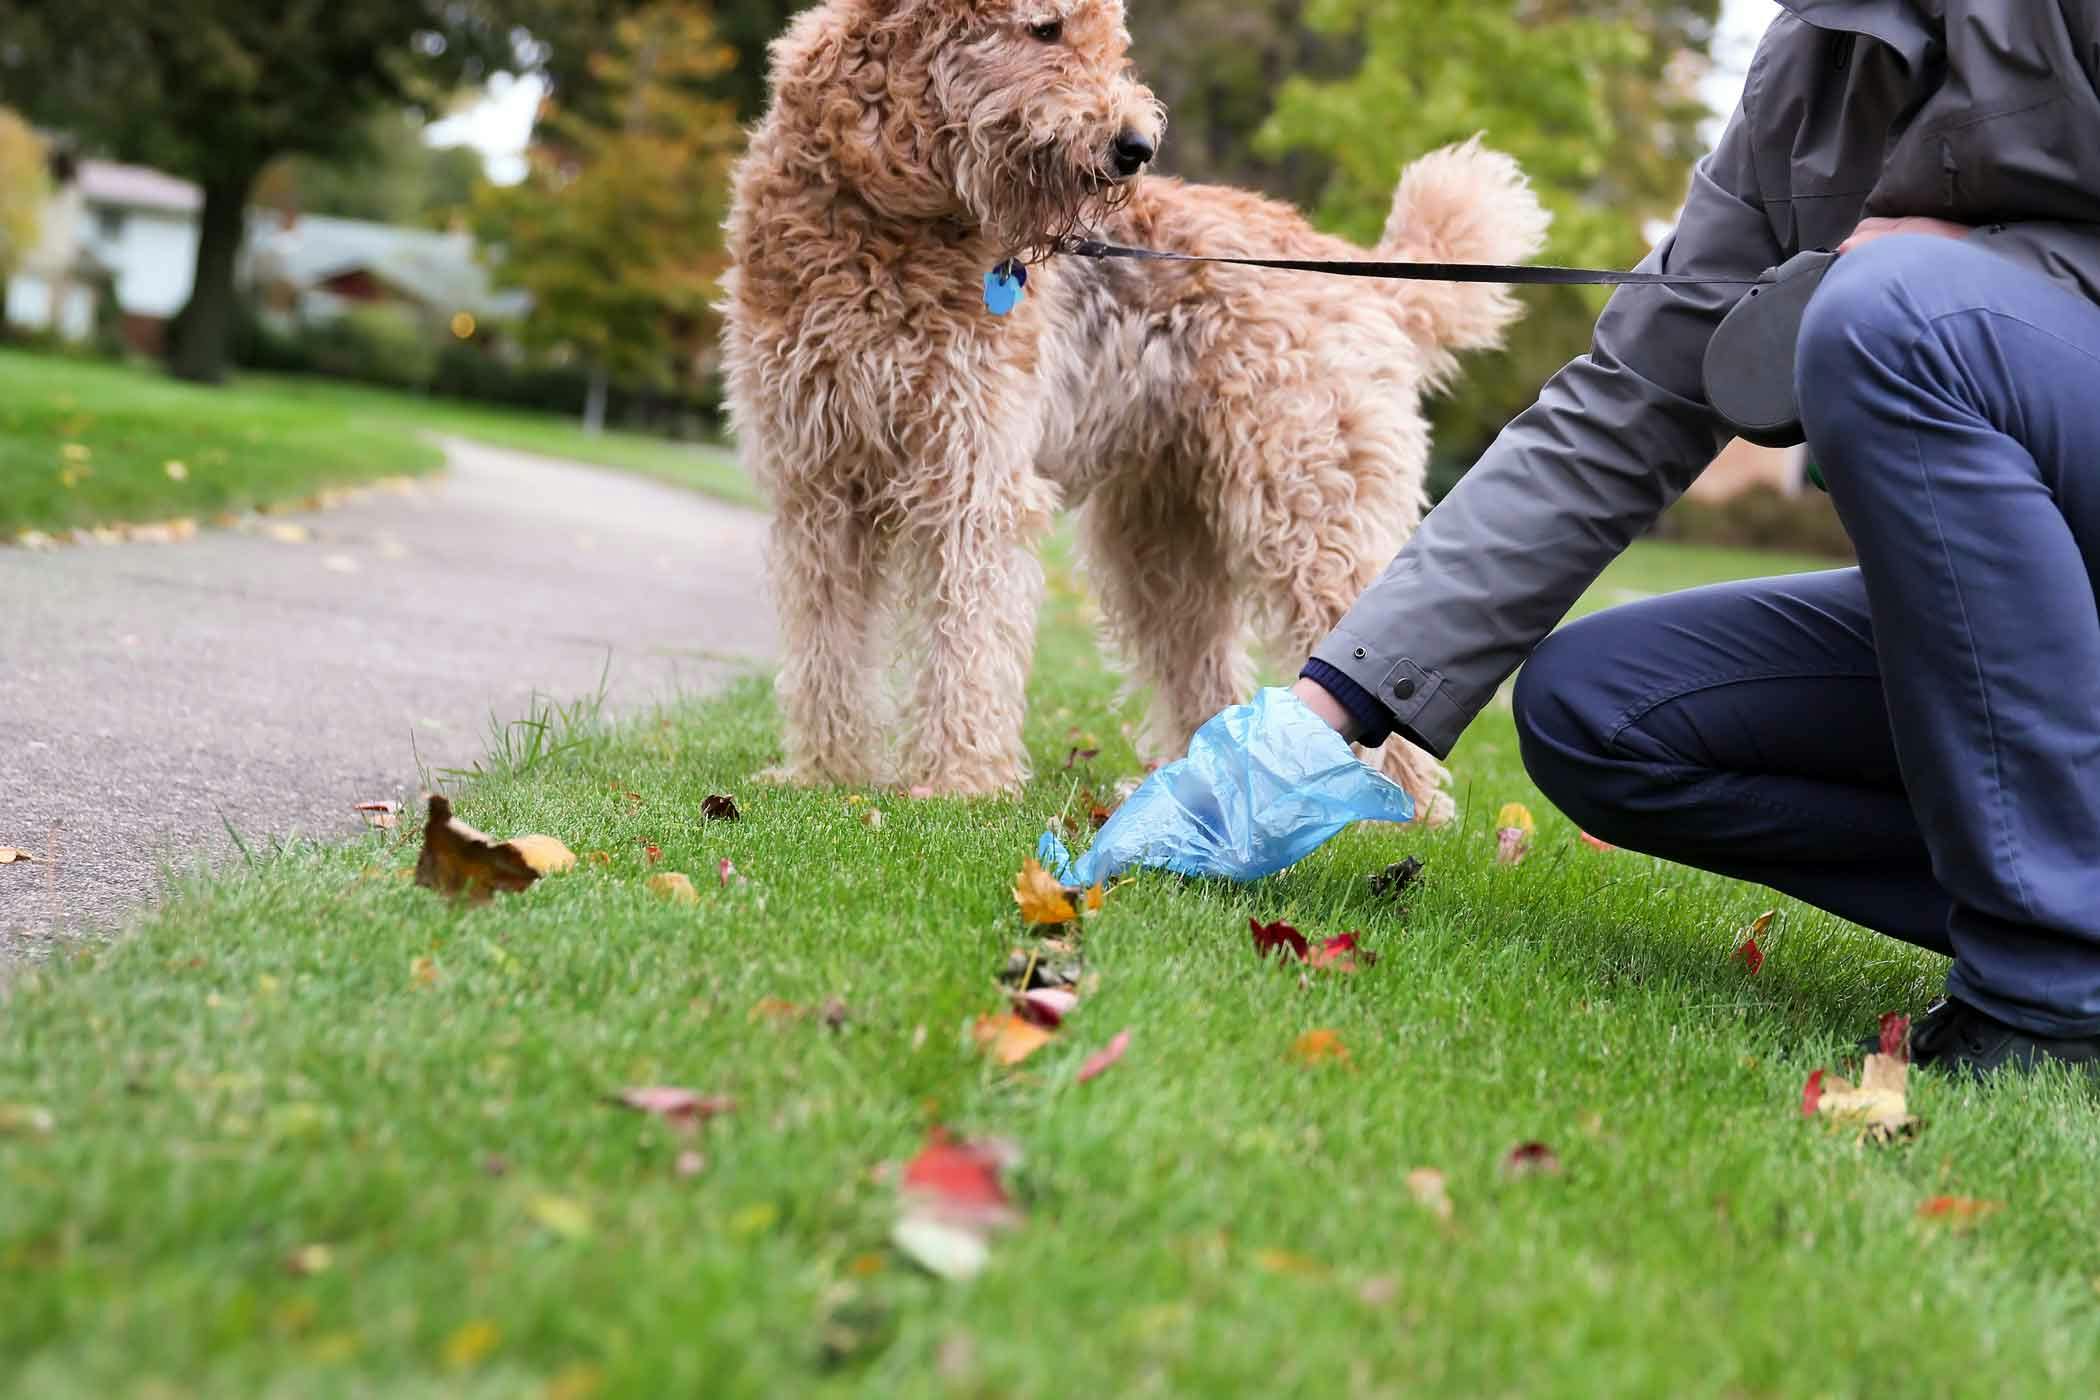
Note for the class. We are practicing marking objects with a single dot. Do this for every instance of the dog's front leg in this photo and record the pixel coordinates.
(978, 585)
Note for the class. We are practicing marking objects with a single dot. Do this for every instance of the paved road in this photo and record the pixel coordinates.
(146, 689)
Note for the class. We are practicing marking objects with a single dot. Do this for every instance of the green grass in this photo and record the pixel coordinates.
(85, 443)
(260, 1069)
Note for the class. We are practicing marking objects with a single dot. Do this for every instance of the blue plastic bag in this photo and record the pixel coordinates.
(1264, 786)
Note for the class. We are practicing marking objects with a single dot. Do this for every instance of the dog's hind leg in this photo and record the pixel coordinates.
(825, 564)
(1167, 596)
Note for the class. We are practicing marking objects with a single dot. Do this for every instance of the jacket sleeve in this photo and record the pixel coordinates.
(2067, 253)
(1613, 439)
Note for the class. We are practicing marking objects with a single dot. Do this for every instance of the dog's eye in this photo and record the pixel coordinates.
(1047, 31)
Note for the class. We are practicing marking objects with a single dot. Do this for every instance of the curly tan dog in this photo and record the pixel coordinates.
(1246, 449)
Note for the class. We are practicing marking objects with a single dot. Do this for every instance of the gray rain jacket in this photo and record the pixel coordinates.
(1980, 111)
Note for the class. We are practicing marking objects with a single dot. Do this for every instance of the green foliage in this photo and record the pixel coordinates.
(616, 230)
(1598, 102)
(392, 176)
(24, 185)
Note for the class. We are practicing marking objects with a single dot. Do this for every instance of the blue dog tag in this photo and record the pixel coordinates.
(1004, 286)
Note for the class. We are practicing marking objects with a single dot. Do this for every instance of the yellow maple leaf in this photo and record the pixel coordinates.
(545, 854)
(1041, 899)
(1878, 1105)
(1319, 1047)
(1516, 817)
(674, 887)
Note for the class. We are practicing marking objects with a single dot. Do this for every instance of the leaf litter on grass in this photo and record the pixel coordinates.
(1878, 1106)
(1514, 830)
(458, 860)
(952, 1200)
(1750, 953)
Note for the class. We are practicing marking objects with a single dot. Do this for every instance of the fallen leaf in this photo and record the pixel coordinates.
(683, 1109)
(1397, 879)
(284, 532)
(1102, 1061)
(309, 1260)
(560, 1216)
(600, 860)
(725, 873)
(384, 816)
(676, 888)
(1010, 1039)
(1812, 1094)
(774, 1009)
(1750, 956)
(651, 852)
(1426, 1185)
(1378, 1292)
(15, 855)
(720, 808)
(1878, 1106)
(176, 471)
(75, 452)
(837, 1014)
(1514, 829)
(952, 1201)
(1269, 938)
(471, 1344)
(1045, 1007)
(1895, 1036)
(1078, 755)
(1283, 1261)
(690, 1163)
(1597, 845)
(423, 972)
(457, 859)
(755, 1219)
(1344, 953)
(1531, 1159)
(872, 818)
(942, 1247)
(1958, 1212)
(1042, 901)
(26, 1120)
(1319, 1047)
(1092, 902)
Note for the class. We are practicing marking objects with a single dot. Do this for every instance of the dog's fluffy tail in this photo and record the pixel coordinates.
(1464, 203)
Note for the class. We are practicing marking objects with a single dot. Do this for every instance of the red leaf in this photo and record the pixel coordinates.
(959, 1179)
(1101, 1063)
(1812, 1094)
(652, 852)
(1270, 937)
(1751, 956)
(1344, 953)
(726, 873)
(1531, 1159)
(1895, 1037)
(1046, 1006)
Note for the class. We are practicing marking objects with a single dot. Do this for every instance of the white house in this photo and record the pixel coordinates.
(130, 224)
(135, 230)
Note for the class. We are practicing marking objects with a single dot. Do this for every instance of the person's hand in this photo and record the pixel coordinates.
(1871, 229)
(1264, 786)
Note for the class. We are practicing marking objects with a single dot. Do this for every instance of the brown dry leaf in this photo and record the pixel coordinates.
(1042, 901)
(459, 860)
(1531, 1159)
(674, 887)
(384, 816)
(15, 855)
(1319, 1047)
(775, 1009)
(720, 808)
(1879, 1106)
(1010, 1039)
(1283, 1261)
(1426, 1185)
(683, 1109)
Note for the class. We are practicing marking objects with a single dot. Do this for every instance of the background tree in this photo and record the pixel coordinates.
(1598, 101)
(391, 176)
(23, 188)
(616, 229)
(215, 90)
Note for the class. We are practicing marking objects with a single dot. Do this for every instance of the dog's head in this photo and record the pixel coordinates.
(1038, 118)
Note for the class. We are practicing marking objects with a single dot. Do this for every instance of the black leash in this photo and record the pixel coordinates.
(1422, 271)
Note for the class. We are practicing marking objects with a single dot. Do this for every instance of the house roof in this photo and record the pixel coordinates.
(438, 269)
(137, 187)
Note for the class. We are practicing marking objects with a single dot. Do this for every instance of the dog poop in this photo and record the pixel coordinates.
(1396, 880)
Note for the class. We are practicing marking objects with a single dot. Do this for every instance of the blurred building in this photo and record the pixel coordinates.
(126, 236)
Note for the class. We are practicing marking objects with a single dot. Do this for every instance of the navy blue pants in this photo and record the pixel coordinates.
(1913, 744)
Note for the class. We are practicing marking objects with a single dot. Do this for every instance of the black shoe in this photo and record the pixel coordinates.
(1956, 1038)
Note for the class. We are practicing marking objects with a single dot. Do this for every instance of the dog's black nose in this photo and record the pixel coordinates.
(1134, 151)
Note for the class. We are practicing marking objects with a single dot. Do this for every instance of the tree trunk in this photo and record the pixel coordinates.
(594, 402)
(199, 336)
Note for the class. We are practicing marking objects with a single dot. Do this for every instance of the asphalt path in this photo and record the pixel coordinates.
(154, 695)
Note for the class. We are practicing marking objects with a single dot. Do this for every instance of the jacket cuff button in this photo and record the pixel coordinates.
(1361, 653)
(1405, 689)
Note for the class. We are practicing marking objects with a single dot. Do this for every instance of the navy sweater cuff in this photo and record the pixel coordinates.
(1374, 723)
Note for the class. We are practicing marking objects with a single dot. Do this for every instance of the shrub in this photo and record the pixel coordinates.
(1760, 518)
